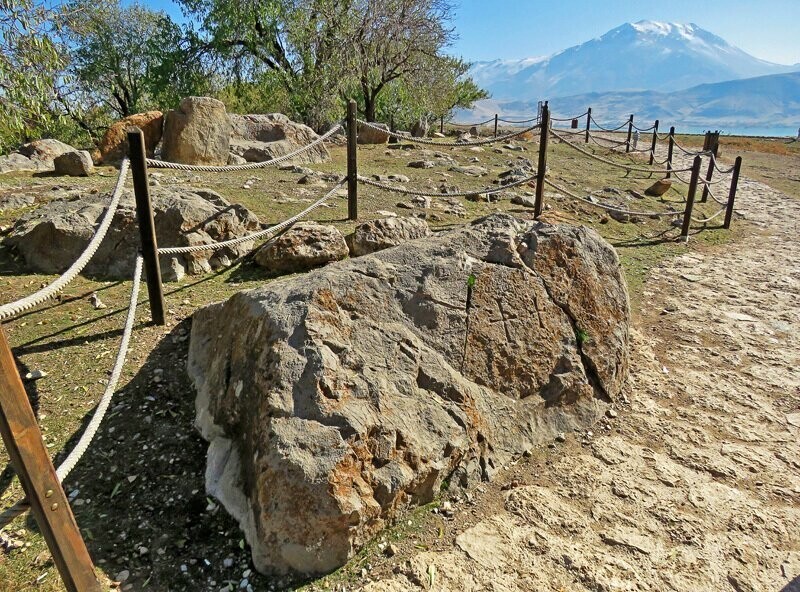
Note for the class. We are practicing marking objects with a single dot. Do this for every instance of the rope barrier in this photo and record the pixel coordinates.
(611, 162)
(689, 153)
(488, 191)
(474, 124)
(608, 207)
(569, 118)
(435, 143)
(256, 235)
(14, 308)
(596, 140)
(644, 129)
(64, 469)
(710, 218)
(161, 164)
(662, 136)
(511, 121)
(719, 170)
(605, 129)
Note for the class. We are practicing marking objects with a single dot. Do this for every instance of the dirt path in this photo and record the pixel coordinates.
(695, 485)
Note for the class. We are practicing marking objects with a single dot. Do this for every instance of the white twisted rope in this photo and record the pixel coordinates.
(596, 140)
(611, 162)
(64, 469)
(644, 129)
(487, 191)
(605, 129)
(162, 164)
(569, 118)
(435, 143)
(719, 170)
(512, 121)
(14, 308)
(688, 152)
(608, 207)
(473, 124)
(710, 218)
(256, 235)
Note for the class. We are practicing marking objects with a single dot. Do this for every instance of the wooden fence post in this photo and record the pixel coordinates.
(732, 193)
(29, 457)
(669, 150)
(630, 131)
(654, 143)
(588, 124)
(713, 146)
(352, 162)
(147, 228)
(687, 213)
(495, 125)
(540, 171)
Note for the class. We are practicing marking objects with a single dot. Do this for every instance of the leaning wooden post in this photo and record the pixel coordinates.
(31, 461)
(147, 228)
(588, 124)
(687, 213)
(669, 150)
(540, 171)
(495, 125)
(732, 193)
(654, 142)
(713, 146)
(352, 162)
(630, 132)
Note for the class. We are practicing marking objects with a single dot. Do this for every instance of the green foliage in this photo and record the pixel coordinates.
(581, 336)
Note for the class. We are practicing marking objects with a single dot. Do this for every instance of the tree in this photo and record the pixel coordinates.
(30, 63)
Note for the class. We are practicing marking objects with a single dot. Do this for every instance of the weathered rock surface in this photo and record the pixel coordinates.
(304, 246)
(257, 138)
(376, 235)
(335, 400)
(53, 236)
(198, 132)
(369, 135)
(34, 156)
(658, 188)
(74, 164)
(114, 145)
(420, 128)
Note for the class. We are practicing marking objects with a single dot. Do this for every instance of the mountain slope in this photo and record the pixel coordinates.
(765, 102)
(646, 55)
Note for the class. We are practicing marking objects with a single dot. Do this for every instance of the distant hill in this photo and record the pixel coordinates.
(646, 55)
(764, 102)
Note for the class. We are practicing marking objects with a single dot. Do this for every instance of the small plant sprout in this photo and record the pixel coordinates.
(581, 336)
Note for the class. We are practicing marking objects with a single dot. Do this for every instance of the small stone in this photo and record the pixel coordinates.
(561, 437)
(391, 550)
(227, 562)
(611, 413)
(123, 575)
(35, 375)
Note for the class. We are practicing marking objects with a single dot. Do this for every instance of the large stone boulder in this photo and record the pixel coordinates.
(335, 400)
(34, 156)
(257, 138)
(376, 235)
(74, 164)
(658, 188)
(304, 246)
(114, 145)
(52, 237)
(367, 134)
(198, 132)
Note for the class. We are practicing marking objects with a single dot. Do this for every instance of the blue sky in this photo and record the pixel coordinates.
(491, 29)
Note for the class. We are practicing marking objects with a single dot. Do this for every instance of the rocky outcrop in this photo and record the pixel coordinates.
(74, 164)
(376, 235)
(370, 135)
(257, 138)
(335, 400)
(52, 237)
(34, 156)
(114, 145)
(303, 246)
(198, 132)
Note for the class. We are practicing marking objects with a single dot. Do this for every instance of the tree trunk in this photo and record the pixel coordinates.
(369, 107)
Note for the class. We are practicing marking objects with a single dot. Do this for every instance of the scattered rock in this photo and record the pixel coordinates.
(234, 159)
(74, 164)
(420, 128)
(198, 132)
(114, 145)
(524, 200)
(95, 301)
(658, 188)
(304, 246)
(15, 201)
(34, 156)
(376, 235)
(315, 445)
(421, 164)
(258, 138)
(370, 135)
(472, 171)
(36, 375)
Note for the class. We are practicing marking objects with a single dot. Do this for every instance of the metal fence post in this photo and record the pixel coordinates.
(588, 124)
(654, 143)
(352, 162)
(31, 461)
(669, 150)
(630, 131)
(732, 193)
(147, 229)
(540, 172)
(495, 125)
(687, 213)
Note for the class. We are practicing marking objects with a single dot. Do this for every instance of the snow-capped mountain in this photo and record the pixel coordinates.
(646, 55)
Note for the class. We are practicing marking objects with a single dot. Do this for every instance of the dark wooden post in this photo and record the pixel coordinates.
(29, 457)
(669, 150)
(352, 162)
(687, 213)
(654, 143)
(630, 131)
(732, 193)
(441, 125)
(540, 171)
(495, 125)
(588, 124)
(147, 228)
(713, 146)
